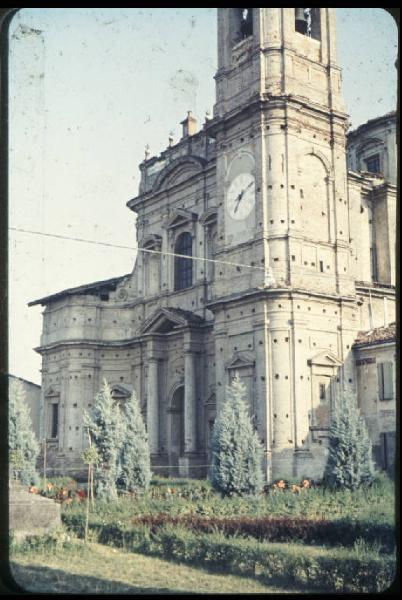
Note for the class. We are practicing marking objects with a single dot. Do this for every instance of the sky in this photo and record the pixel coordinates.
(88, 89)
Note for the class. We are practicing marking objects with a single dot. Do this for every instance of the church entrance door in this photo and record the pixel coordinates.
(176, 430)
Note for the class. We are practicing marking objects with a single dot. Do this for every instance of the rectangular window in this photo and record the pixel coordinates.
(385, 380)
(322, 392)
(373, 164)
(387, 449)
(321, 266)
(54, 420)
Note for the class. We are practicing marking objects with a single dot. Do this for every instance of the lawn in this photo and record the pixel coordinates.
(183, 537)
(103, 570)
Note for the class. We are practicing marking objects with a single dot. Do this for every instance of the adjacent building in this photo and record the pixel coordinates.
(32, 394)
(259, 253)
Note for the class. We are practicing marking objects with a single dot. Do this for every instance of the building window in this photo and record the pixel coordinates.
(246, 22)
(307, 22)
(322, 392)
(387, 450)
(54, 420)
(385, 380)
(183, 267)
(373, 164)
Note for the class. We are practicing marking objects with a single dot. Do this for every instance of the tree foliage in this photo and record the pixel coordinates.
(22, 443)
(350, 462)
(135, 455)
(106, 427)
(237, 451)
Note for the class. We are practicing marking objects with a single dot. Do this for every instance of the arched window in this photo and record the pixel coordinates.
(307, 22)
(246, 22)
(183, 267)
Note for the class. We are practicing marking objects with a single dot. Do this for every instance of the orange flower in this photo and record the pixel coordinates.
(33, 490)
(295, 488)
(281, 484)
(305, 483)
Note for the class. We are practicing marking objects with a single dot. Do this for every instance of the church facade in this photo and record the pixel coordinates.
(291, 257)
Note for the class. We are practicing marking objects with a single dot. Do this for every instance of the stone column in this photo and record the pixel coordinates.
(190, 431)
(152, 404)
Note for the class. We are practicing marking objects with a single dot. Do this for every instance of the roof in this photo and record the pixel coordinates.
(379, 335)
(372, 122)
(89, 288)
(24, 380)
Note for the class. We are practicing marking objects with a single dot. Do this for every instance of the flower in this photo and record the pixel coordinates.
(295, 488)
(33, 490)
(305, 483)
(281, 484)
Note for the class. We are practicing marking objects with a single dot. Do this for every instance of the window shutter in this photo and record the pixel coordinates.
(388, 381)
(380, 379)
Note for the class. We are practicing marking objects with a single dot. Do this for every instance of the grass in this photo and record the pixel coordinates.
(376, 503)
(100, 569)
(170, 558)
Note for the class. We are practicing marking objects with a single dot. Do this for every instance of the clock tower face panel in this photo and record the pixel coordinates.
(240, 199)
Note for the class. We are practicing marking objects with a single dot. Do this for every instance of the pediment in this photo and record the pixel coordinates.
(369, 143)
(179, 217)
(164, 320)
(240, 360)
(151, 242)
(178, 171)
(325, 359)
(209, 217)
(51, 392)
(119, 392)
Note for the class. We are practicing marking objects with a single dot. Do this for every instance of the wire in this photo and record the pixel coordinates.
(267, 270)
(74, 239)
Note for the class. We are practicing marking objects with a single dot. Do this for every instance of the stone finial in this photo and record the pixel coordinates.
(171, 139)
(207, 116)
(189, 125)
(147, 152)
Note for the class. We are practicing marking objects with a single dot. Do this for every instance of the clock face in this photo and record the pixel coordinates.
(241, 196)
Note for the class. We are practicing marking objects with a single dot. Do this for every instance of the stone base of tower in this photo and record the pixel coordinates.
(298, 464)
(191, 465)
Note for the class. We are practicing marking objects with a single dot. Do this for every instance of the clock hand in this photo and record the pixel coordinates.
(240, 196)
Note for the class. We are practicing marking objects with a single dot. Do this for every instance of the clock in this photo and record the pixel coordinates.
(240, 197)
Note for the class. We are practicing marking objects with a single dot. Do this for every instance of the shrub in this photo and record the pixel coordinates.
(106, 428)
(350, 462)
(135, 456)
(23, 447)
(236, 449)
(57, 539)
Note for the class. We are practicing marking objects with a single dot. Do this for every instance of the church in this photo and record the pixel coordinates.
(259, 253)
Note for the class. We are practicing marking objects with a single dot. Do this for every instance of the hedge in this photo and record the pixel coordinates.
(284, 529)
(296, 564)
(319, 531)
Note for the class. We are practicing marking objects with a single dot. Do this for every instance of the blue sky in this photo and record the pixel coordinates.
(89, 88)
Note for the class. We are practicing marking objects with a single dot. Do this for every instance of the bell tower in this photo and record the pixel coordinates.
(277, 51)
(279, 116)
(283, 209)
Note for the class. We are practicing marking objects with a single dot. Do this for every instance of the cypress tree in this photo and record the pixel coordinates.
(135, 456)
(236, 448)
(106, 427)
(22, 443)
(350, 463)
